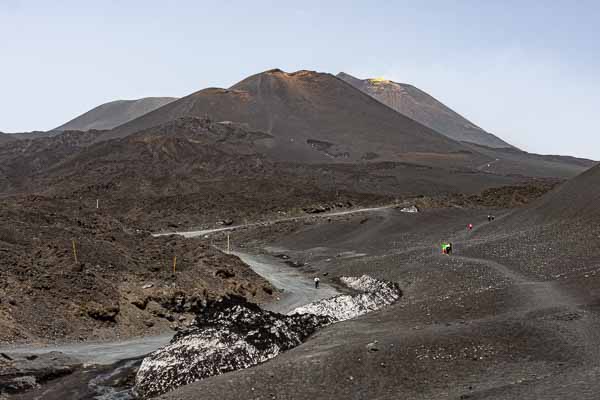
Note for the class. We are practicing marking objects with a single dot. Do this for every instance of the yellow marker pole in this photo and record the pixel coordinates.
(75, 252)
(174, 264)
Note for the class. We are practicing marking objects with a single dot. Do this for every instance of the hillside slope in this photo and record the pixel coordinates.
(114, 113)
(425, 109)
(555, 237)
(577, 199)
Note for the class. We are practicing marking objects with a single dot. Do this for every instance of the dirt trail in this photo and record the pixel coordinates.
(547, 295)
(487, 164)
(298, 288)
(102, 353)
(190, 234)
(544, 294)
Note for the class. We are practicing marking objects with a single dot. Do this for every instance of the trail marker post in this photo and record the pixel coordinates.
(75, 252)
(97, 204)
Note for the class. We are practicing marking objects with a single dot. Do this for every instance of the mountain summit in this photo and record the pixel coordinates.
(423, 108)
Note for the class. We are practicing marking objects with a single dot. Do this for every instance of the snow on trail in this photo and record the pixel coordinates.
(375, 295)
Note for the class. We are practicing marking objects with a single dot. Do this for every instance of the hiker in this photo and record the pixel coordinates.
(317, 280)
(489, 218)
(470, 227)
(444, 248)
(449, 248)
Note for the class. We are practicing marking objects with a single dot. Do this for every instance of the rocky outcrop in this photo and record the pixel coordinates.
(102, 312)
(228, 335)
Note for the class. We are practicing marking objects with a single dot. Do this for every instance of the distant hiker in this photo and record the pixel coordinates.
(317, 280)
(470, 227)
(446, 248)
(489, 218)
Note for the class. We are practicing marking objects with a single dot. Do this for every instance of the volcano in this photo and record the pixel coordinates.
(313, 117)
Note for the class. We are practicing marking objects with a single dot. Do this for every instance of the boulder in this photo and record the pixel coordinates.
(102, 312)
(140, 303)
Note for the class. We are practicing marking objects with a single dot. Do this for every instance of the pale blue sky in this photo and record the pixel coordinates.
(528, 71)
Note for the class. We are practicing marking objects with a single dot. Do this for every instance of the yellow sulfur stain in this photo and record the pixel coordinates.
(378, 80)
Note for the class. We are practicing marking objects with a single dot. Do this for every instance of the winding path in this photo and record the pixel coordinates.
(543, 294)
(190, 234)
(298, 289)
(103, 353)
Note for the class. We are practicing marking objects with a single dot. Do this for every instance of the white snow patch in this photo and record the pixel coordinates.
(376, 295)
(411, 209)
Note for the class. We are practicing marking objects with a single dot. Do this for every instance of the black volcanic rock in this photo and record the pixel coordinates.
(229, 334)
(233, 334)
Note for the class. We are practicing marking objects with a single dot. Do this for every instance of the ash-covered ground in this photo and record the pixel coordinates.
(483, 323)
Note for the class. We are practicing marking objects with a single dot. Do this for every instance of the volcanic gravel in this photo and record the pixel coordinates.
(471, 325)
